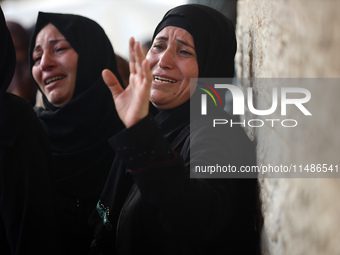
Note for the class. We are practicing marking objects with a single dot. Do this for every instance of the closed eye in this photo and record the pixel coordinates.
(157, 47)
(36, 59)
(185, 52)
(61, 49)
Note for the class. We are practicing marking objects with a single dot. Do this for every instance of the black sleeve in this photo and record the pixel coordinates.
(192, 208)
(27, 190)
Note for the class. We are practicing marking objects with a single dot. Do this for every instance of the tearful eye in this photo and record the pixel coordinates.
(185, 52)
(158, 47)
(36, 59)
(61, 49)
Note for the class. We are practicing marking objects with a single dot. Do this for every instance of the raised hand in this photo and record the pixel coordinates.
(132, 104)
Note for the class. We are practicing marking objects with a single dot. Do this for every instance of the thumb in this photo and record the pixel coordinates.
(112, 83)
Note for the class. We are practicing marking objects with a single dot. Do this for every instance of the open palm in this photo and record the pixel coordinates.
(132, 104)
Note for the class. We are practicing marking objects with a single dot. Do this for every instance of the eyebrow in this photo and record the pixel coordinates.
(49, 42)
(178, 40)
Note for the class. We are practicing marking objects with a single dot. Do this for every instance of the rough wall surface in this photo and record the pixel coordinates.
(295, 39)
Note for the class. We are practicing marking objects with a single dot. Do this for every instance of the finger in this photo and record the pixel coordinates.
(112, 82)
(132, 55)
(147, 73)
(139, 57)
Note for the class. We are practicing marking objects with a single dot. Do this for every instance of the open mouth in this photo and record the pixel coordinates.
(163, 80)
(53, 79)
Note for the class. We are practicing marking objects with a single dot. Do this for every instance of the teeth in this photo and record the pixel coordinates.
(163, 80)
(54, 79)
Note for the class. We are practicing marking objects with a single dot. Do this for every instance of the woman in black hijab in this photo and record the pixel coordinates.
(150, 205)
(27, 210)
(78, 117)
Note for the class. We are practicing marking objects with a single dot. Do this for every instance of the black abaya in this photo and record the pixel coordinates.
(78, 131)
(150, 205)
(27, 190)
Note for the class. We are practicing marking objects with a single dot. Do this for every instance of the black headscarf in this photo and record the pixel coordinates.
(7, 55)
(214, 37)
(215, 44)
(7, 67)
(78, 132)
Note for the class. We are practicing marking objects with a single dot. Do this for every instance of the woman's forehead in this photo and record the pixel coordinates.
(49, 32)
(177, 33)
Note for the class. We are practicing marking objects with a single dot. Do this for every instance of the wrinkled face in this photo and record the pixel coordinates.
(173, 62)
(55, 65)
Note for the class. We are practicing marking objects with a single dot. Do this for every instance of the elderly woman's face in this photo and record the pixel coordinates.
(55, 65)
(173, 62)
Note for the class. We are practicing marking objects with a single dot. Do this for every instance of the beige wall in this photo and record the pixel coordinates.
(295, 39)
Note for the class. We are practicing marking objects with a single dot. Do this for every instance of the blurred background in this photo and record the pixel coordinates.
(120, 19)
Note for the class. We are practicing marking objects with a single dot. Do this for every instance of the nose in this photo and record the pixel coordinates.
(46, 62)
(167, 59)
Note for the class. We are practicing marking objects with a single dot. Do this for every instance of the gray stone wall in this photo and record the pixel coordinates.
(295, 39)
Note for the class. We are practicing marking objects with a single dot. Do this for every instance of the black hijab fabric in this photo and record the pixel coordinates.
(127, 206)
(7, 68)
(78, 131)
(7, 56)
(26, 181)
(215, 44)
(214, 37)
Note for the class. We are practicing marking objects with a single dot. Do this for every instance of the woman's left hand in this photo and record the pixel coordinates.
(132, 104)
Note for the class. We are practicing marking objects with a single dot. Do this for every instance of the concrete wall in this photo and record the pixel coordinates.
(295, 39)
